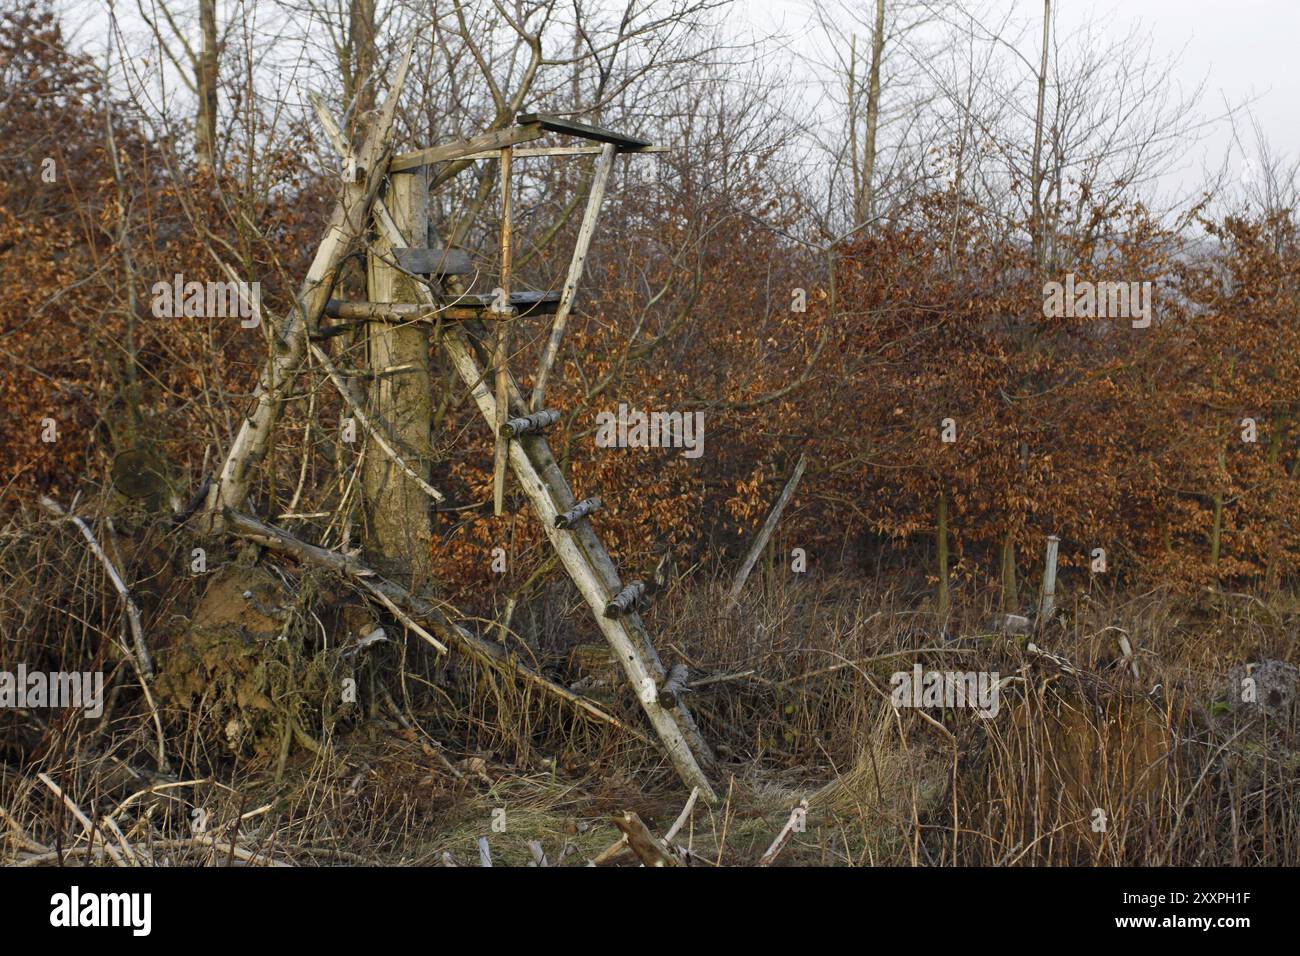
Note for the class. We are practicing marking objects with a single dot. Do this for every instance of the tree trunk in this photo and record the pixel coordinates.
(1036, 170)
(359, 68)
(205, 131)
(867, 196)
(941, 546)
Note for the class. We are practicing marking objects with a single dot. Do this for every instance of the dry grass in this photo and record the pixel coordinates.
(264, 760)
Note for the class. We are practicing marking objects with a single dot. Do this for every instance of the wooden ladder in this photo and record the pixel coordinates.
(534, 466)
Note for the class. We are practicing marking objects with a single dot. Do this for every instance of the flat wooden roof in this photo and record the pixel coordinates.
(556, 124)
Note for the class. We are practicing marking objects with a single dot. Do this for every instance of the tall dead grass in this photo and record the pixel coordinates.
(1085, 763)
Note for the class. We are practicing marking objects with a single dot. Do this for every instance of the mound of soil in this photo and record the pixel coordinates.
(243, 666)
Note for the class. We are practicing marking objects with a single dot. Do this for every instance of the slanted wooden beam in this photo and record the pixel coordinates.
(643, 671)
(600, 176)
(450, 152)
(764, 533)
(534, 152)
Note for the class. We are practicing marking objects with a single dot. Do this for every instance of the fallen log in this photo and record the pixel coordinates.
(643, 843)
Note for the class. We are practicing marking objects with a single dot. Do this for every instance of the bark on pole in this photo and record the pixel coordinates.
(346, 223)
(399, 530)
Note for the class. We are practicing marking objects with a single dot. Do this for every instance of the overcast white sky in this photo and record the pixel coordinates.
(1244, 51)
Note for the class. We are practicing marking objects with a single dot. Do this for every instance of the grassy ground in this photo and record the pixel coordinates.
(284, 741)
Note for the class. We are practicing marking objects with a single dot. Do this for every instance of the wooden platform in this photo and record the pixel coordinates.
(464, 308)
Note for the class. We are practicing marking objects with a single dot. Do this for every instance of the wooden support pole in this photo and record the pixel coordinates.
(399, 530)
(1048, 604)
(600, 176)
(502, 344)
(773, 516)
(347, 222)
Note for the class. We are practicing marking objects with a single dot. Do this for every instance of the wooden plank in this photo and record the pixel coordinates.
(522, 304)
(599, 178)
(765, 532)
(434, 262)
(450, 152)
(557, 124)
